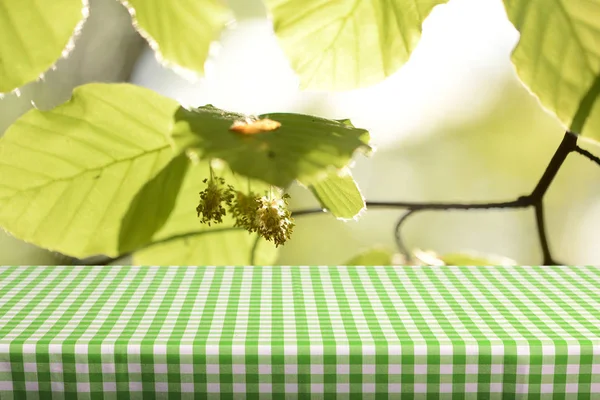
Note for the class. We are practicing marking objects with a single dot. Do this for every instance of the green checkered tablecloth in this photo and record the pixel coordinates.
(307, 332)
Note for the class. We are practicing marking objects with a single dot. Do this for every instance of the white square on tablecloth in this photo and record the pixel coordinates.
(572, 369)
(368, 388)
(265, 388)
(394, 388)
(446, 369)
(546, 388)
(264, 369)
(571, 388)
(213, 387)
(368, 369)
(187, 388)
(212, 368)
(420, 369)
(547, 369)
(316, 369)
(420, 388)
(161, 387)
(291, 369)
(238, 369)
(343, 369)
(239, 388)
(496, 387)
(470, 388)
(471, 369)
(343, 388)
(291, 388)
(445, 388)
(186, 368)
(83, 387)
(160, 368)
(317, 387)
(29, 367)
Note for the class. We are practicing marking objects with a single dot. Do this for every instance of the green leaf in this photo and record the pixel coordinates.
(558, 57)
(214, 246)
(471, 258)
(338, 45)
(33, 36)
(69, 175)
(339, 194)
(372, 257)
(152, 206)
(183, 240)
(467, 258)
(180, 32)
(303, 147)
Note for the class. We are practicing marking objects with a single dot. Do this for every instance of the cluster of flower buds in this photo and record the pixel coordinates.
(212, 199)
(267, 215)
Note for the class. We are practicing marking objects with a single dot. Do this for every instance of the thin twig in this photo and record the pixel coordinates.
(541, 228)
(398, 233)
(253, 251)
(587, 154)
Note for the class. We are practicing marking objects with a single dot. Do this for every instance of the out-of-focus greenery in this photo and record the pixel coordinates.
(345, 45)
(496, 152)
(24, 25)
(181, 33)
(558, 58)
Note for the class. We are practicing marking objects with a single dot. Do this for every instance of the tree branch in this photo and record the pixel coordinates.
(535, 200)
(587, 154)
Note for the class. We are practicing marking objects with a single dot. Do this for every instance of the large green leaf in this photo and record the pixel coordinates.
(180, 32)
(152, 206)
(558, 57)
(69, 175)
(303, 147)
(347, 44)
(183, 240)
(339, 194)
(33, 35)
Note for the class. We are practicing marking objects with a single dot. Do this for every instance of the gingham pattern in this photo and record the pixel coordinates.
(262, 332)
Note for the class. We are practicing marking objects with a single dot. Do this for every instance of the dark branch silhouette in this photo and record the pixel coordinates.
(534, 200)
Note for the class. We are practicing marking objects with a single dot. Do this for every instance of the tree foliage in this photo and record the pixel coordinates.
(118, 169)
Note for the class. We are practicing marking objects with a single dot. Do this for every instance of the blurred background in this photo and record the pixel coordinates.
(454, 124)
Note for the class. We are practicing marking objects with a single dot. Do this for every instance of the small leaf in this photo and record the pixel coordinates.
(558, 57)
(338, 45)
(303, 147)
(33, 35)
(472, 258)
(463, 258)
(69, 175)
(181, 31)
(372, 257)
(152, 206)
(213, 246)
(339, 194)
